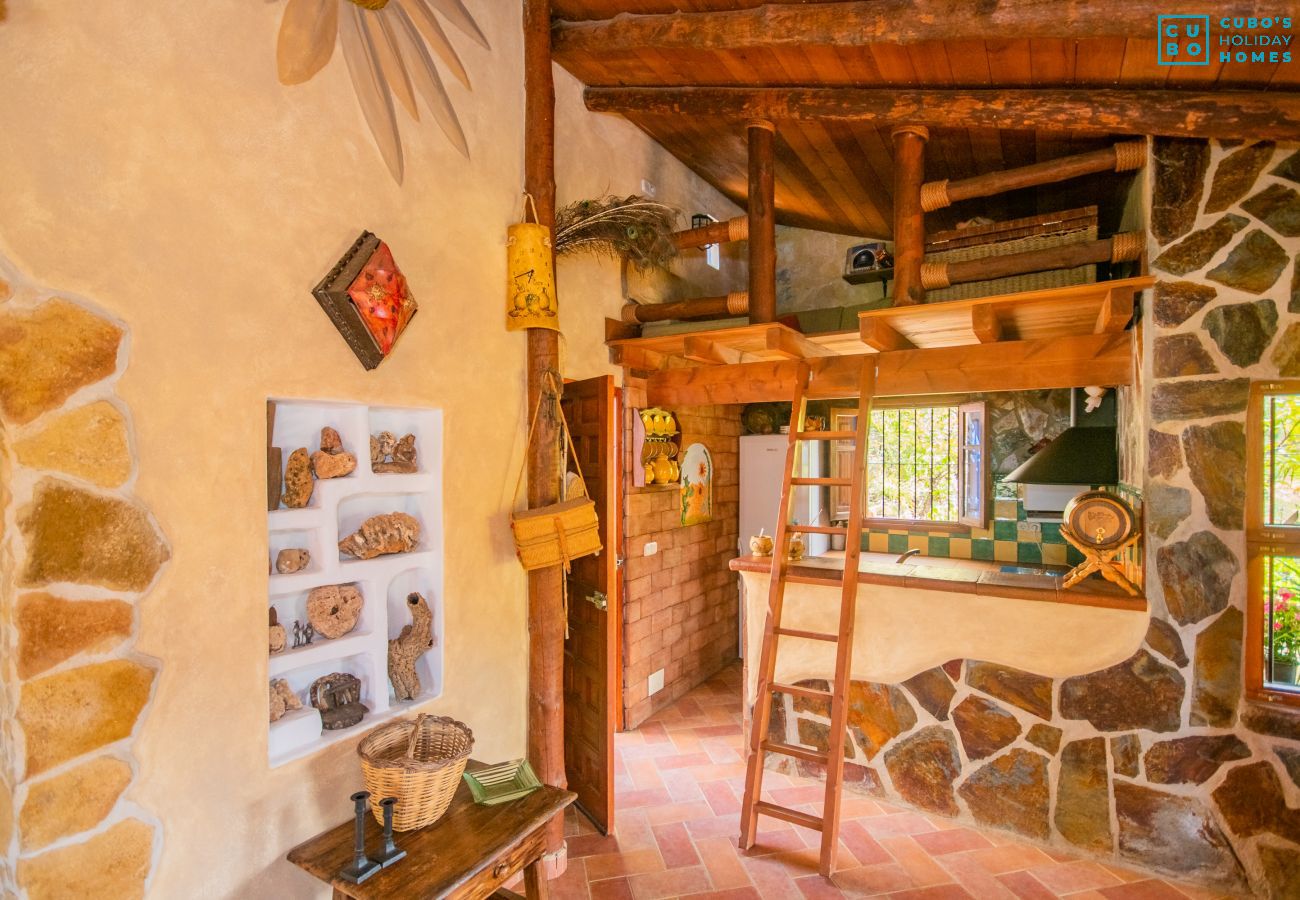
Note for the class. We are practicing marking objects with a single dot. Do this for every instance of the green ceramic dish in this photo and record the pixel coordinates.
(502, 782)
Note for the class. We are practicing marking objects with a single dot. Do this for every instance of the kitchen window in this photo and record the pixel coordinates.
(1273, 541)
(925, 464)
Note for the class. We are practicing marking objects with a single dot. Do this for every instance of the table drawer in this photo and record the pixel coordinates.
(503, 867)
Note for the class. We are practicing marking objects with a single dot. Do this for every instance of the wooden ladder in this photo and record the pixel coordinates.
(828, 823)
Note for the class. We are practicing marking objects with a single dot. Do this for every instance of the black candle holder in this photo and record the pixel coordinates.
(362, 866)
(390, 852)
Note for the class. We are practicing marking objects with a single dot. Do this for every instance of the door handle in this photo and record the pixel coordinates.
(598, 600)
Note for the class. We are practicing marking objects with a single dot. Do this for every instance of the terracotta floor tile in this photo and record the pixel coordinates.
(719, 731)
(814, 887)
(919, 864)
(581, 845)
(898, 823)
(644, 774)
(1010, 858)
(635, 799)
(1149, 889)
(867, 880)
(937, 892)
(714, 826)
(954, 840)
(741, 893)
(572, 885)
(865, 849)
(675, 846)
(770, 877)
(682, 785)
(631, 862)
(1026, 886)
(611, 889)
(723, 862)
(768, 842)
(720, 797)
(975, 878)
(1066, 878)
(676, 812)
(856, 807)
(796, 796)
(1123, 873)
(670, 883)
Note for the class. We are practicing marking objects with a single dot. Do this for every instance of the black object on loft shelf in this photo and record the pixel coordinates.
(869, 275)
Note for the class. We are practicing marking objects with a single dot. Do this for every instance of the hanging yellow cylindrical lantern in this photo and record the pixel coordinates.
(530, 277)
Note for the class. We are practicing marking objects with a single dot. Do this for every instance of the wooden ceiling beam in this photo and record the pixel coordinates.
(985, 324)
(865, 22)
(793, 345)
(1273, 115)
(1115, 312)
(709, 352)
(882, 336)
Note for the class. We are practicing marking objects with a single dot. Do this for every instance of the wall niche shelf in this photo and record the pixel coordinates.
(337, 508)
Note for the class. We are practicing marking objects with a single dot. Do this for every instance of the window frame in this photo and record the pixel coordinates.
(1262, 543)
(965, 411)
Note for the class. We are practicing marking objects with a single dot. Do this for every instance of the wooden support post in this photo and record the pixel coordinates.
(545, 586)
(909, 220)
(762, 222)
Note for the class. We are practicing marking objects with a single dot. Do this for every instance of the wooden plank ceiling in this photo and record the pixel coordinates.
(837, 176)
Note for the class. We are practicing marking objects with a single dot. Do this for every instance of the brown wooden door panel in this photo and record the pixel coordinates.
(592, 667)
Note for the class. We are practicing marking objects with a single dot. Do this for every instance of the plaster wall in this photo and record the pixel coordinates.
(152, 161)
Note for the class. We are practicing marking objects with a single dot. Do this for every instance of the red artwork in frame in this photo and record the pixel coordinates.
(368, 299)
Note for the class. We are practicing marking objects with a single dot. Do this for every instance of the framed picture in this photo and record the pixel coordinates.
(867, 258)
(367, 298)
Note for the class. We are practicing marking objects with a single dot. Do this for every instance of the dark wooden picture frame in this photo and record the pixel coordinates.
(332, 293)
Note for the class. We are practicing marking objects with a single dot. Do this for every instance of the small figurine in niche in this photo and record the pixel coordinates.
(333, 609)
(338, 697)
(394, 532)
(298, 483)
(388, 455)
(297, 634)
(276, 633)
(293, 560)
(308, 632)
(331, 460)
(409, 646)
(283, 699)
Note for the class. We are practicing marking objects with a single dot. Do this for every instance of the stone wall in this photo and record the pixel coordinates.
(680, 605)
(1157, 761)
(79, 552)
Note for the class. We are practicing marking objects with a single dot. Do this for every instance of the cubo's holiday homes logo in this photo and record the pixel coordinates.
(1195, 40)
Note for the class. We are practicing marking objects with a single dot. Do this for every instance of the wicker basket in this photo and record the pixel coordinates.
(420, 763)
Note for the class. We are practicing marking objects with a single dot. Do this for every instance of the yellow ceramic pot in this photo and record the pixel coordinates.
(663, 467)
(670, 424)
(761, 545)
(796, 547)
(649, 473)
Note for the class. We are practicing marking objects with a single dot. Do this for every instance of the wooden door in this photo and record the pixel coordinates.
(592, 652)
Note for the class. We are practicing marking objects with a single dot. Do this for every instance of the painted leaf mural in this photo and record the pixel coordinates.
(389, 48)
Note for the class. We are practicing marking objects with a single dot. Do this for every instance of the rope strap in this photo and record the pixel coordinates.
(1130, 155)
(934, 276)
(738, 228)
(738, 303)
(1126, 246)
(934, 195)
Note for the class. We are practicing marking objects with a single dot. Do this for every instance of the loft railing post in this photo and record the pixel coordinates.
(909, 218)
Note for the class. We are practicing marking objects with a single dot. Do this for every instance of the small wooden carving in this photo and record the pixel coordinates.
(276, 636)
(388, 455)
(409, 646)
(338, 697)
(334, 609)
(394, 532)
(283, 699)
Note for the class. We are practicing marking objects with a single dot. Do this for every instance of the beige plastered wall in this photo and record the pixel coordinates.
(150, 160)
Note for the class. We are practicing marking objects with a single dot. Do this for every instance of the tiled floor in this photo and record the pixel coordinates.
(680, 778)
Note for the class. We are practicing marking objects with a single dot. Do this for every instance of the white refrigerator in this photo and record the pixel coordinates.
(762, 470)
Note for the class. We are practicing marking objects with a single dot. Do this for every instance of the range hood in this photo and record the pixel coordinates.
(1085, 454)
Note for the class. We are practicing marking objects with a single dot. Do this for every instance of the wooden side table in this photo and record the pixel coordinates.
(468, 853)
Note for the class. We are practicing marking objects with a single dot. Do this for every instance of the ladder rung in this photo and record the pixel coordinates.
(804, 753)
(817, 529)
(794, 816)
(814, 579)
(795, 690)
(810, 635)
(827, 435)
(835, 481)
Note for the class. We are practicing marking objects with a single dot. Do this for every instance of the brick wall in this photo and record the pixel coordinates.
(680, 605)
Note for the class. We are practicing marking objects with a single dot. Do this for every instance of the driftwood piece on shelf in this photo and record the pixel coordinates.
(395, 532)
(403, 651)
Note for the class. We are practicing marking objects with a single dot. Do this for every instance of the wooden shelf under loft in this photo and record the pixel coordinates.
(1084, 309)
